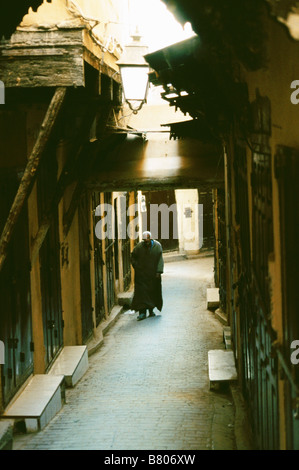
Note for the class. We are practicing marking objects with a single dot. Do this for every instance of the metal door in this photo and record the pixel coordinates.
(85, 282)
(286, 171)
(50, 263)
(243, 285)
(109, 254)
(98, 266)
(116, 235)
(259, 364)
(264, 393)
(126, 250)
(222, 247)
(15, 317)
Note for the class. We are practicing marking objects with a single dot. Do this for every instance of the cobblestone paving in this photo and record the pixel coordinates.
(147, 387)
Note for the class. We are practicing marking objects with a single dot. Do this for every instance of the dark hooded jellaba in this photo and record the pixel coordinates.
(147, 261)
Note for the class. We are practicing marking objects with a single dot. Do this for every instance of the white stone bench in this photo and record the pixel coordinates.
(212, 298)
(221, 366)
(227, 337)
(39, 402)
(125, 298)
(72, 363)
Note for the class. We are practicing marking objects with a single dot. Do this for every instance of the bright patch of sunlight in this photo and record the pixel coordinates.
(157, 165)
(156, 24)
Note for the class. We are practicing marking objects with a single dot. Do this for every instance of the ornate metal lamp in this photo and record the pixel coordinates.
(134, 72)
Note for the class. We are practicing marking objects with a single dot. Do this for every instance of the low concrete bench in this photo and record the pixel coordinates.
(221, 366)
(212, 298)
(227, 337)
(72, 363)
(125, 298)
(38, 403)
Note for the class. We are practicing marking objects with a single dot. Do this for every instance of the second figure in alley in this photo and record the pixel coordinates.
(147, 261)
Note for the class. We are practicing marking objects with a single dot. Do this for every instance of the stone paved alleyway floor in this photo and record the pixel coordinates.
(147, 387)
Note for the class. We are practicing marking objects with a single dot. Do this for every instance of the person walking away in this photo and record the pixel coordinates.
(147, 261)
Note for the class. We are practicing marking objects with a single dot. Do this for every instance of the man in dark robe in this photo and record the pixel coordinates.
(147, 261)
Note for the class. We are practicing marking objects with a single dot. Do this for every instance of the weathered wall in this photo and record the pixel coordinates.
(274, 82)
(105, 18)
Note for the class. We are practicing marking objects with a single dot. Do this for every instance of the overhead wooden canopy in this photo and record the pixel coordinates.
(138, 163)
(196, 82)
(199, 75)
(190, 129)
(228, 26)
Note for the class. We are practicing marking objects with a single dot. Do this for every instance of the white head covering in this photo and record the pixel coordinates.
(146, 234)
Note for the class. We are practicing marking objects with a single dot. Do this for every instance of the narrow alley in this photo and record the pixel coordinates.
(128, 128)
(147, 387)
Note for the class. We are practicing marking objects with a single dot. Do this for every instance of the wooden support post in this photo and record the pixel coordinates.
(30, 171)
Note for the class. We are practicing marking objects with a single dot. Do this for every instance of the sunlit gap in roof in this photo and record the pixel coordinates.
(158, 29)
(156, 24)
